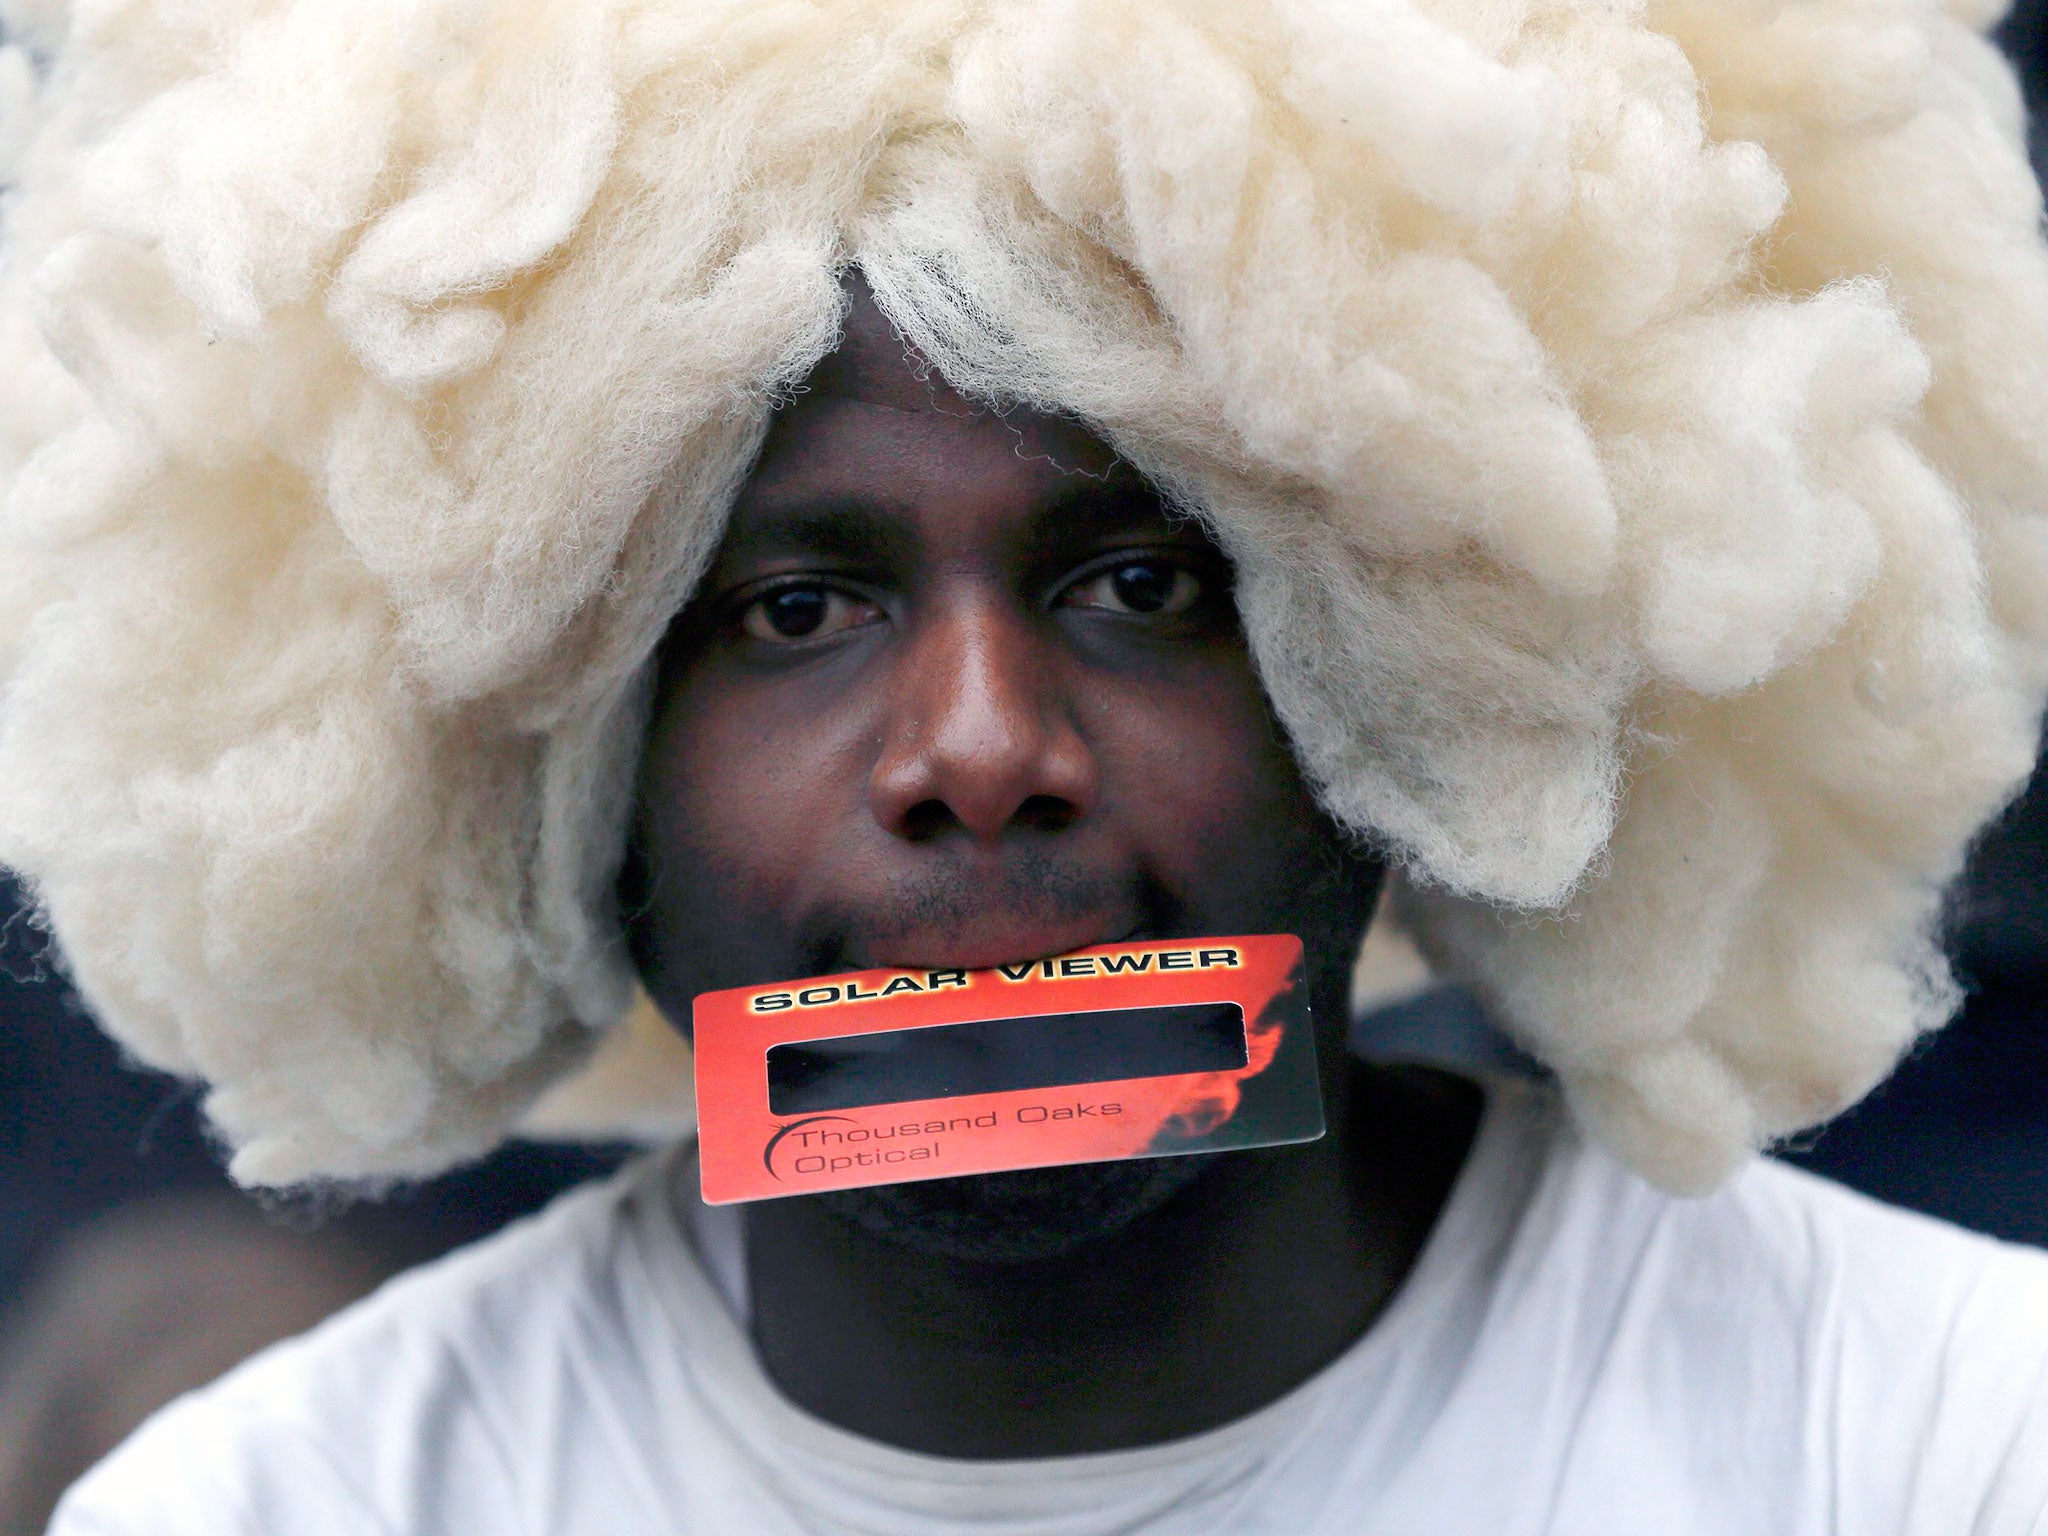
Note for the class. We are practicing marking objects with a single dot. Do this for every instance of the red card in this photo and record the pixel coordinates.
(1152, 1049)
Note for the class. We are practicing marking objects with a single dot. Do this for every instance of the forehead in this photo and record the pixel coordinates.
(877, 418)
(875, 364)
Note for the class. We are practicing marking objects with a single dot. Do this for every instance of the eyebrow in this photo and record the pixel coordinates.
(1118, 502)
(854, 528)
(864, 531)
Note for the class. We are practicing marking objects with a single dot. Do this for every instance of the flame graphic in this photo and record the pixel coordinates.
(1212, 1098)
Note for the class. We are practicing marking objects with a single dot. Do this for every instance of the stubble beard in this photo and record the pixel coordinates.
(1027, 1216)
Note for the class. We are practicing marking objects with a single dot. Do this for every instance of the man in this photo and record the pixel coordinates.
(1211, 447)
(959, 691)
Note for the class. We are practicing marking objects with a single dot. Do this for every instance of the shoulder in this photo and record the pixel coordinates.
(365, 1423)
(1785, 1245)
(1924, 1306)
(1777, 1244)
(1896, 1365)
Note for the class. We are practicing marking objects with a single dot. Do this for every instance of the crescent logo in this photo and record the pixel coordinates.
(768, 1152)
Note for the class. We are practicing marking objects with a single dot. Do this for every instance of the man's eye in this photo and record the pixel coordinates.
(804, 612)
(1151, 587)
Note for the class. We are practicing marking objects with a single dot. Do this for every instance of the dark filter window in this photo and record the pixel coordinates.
(1047, 1050)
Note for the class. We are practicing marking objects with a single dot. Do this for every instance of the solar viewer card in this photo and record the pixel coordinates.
(1152, 1049)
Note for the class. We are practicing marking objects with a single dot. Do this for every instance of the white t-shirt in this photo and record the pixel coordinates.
(1573, 1353)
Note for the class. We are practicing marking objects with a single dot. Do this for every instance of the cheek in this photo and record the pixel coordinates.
(746, 821)
(1202, 778)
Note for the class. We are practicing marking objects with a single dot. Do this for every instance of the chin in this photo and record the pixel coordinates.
(1024, 1217)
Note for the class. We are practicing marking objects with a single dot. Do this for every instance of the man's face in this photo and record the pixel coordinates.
(959, 690)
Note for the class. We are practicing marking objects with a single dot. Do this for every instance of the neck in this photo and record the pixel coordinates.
(1224, 1299)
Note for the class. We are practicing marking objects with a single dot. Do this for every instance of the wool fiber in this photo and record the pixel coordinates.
(1628, 419)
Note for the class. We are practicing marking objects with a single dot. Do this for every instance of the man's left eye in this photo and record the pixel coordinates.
(1154, 588)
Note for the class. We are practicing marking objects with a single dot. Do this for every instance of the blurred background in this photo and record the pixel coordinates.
(131, 1270)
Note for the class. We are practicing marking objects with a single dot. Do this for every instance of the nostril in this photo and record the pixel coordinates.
(1046, 813)
(927, 819)
(1039, 813)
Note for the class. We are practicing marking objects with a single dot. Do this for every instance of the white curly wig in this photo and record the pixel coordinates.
(1628, 418)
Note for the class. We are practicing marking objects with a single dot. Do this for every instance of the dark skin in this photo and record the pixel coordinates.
(960, 690)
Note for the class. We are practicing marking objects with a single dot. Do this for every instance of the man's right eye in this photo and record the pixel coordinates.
(804, 611)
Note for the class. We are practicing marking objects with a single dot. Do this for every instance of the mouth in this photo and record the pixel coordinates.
(975, 920)
(988, 944)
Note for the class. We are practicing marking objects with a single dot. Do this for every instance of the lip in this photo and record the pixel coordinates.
(1011, 945)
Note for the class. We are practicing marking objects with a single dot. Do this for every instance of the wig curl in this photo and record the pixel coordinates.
(1628, 420)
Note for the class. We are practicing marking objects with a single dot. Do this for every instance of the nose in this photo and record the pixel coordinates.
(980, 736)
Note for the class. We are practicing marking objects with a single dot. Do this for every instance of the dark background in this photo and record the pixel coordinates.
(81, 1133)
